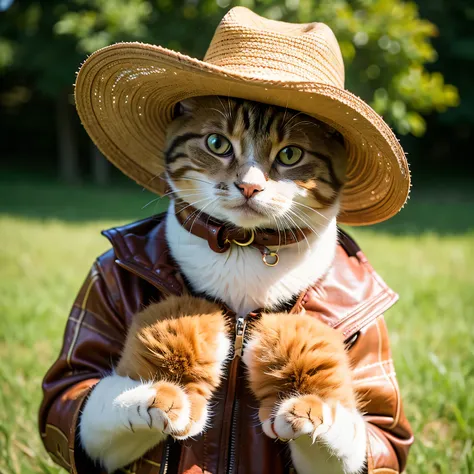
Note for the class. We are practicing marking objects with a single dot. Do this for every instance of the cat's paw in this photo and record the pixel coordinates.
(289, 354)
(309, 422)
(296, 417)
(119, 404)
(167, 408)
(124, 418)
(198, 417)
(161, 406)
(339, 444)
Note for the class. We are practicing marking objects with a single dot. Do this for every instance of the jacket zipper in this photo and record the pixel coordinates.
(166, 455)
(239, 341)
(233, 436)
(240, 326)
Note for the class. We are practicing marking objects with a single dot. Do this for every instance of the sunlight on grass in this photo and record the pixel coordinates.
(44, 260)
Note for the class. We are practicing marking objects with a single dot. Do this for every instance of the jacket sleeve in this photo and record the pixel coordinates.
(389, 433)
(93, 339)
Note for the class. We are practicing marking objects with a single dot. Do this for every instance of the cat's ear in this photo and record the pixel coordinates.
(186, 106)
(179, 110)
(332, 133)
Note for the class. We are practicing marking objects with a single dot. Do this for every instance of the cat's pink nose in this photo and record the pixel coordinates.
(249, 190)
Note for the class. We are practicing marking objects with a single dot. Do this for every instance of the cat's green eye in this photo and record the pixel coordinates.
(290, 155)
(218, 144)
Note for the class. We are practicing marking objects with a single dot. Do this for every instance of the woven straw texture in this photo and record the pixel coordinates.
(126, 93)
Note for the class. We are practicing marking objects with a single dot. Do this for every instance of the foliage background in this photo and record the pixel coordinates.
(409, 60)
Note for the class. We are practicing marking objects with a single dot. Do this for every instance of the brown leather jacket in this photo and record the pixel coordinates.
(138, 271)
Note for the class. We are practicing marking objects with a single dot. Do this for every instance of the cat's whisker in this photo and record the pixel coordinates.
(301, 216)
(151, 202)
(179, 191)
(220, 112)
(311, 209)
(214, 201)
(185, 196)
(172, 192)
(194, 193)
(200, 212)
(209, 216)
(158, 175)
(305, 221)
(299, 228)
(287, 123)
(291, 230)
(191, 204)
(290, 225)
(297, 124)
(227, 113)
(278, 230)
(190, 216)
(229, 104)
(195, 179)
(286, 110)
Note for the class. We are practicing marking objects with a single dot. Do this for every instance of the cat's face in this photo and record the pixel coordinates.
(254, 165)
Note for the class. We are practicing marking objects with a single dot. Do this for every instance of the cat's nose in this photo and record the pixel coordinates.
(248, 190)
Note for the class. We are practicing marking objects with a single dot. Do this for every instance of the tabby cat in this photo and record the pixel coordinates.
(252, 166)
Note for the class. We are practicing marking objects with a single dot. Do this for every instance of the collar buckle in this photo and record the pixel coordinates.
(244, 244)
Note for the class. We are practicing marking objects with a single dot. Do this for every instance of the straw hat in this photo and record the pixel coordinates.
(126, 93)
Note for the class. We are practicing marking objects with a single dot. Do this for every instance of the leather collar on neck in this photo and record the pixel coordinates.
(221, 236)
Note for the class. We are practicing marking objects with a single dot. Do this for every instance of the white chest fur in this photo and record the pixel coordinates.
(240, 279)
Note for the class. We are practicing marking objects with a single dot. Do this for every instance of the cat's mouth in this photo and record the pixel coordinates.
(246, 209)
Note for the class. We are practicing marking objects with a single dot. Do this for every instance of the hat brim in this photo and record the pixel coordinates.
(125, 96)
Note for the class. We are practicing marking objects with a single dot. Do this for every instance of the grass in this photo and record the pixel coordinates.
(49, 236)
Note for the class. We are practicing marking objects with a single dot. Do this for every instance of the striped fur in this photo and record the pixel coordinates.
(257, 133)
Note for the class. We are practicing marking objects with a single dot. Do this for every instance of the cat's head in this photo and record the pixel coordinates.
(254, 165)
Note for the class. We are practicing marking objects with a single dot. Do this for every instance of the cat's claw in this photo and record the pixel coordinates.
(164, 407)
(299, 416)
(161, 407)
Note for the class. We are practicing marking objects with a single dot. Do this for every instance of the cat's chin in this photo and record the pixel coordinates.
(246, 217)
(243, 217)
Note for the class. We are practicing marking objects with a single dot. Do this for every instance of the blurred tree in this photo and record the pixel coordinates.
(386, 46)
(32, 52)
(451, 134)
(384, 42)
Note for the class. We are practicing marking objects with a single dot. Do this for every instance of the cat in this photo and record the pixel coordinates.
(305, 194)
(252, 166)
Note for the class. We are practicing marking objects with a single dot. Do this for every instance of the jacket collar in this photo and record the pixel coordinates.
(349, 297)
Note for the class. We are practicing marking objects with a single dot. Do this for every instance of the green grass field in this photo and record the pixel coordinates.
(49, 236)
